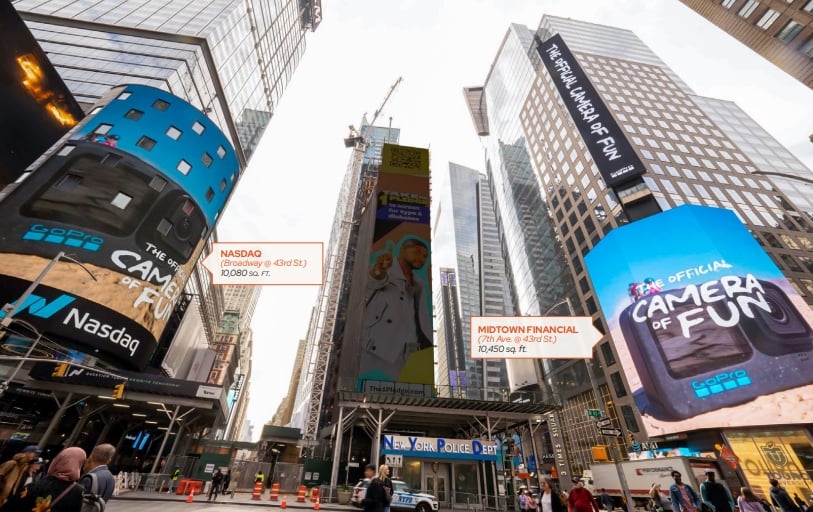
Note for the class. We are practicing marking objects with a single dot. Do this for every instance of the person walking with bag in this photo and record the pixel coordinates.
(384, 476)
(747, 501)
(58, 491)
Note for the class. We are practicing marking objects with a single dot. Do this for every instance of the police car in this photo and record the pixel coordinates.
(403, 498)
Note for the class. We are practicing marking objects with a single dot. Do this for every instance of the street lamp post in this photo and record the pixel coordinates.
(601, 406)
(5, 385)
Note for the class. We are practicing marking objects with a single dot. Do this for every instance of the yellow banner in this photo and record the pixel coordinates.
(404, 160)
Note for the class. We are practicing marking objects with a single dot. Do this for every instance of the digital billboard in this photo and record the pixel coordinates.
(397, 336)
(606, 141)
(132, 192)
(36, 108)
(776, 454)
(708, 330)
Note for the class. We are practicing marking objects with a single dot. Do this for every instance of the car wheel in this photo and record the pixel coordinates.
(423, 507)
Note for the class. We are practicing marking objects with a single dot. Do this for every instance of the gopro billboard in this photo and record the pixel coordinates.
(708, 330)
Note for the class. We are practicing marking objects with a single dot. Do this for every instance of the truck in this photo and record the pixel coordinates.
(641, 474)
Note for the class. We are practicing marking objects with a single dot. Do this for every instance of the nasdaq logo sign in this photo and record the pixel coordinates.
(41, 308)
(60, 236)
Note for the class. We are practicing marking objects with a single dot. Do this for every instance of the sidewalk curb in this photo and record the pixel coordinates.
(253, 503)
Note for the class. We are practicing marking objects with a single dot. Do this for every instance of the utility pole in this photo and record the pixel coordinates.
(625, 489)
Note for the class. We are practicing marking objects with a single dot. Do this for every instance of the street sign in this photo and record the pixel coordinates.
(614, 432)
(394, 461)
(604, 422)
(594, 413)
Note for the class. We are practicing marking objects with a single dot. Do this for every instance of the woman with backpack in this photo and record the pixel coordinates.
(58, 491)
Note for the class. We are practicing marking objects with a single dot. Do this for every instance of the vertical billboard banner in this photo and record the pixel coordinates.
(36, 108)
(133, 192)
(609, 147)
(397, 343)
(708, 330)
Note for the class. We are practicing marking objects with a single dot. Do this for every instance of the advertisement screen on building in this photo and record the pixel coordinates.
(708, 330)
(397, 334)
(132, 192)
(774, 454)
(36, 108)
(611, 151)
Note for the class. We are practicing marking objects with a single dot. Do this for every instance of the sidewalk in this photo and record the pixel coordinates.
(240, 498)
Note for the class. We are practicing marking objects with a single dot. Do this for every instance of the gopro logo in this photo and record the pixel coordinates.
(60, 236)
(721, 383)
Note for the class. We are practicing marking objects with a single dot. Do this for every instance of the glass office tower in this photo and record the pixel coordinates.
(232, 59)
(553, 206)
(476, 287)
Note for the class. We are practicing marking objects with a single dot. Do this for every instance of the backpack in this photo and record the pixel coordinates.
(92, 501)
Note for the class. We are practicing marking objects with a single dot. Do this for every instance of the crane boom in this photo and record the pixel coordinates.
(383, 103)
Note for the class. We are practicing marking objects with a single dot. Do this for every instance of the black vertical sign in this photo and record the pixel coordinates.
(612, 152)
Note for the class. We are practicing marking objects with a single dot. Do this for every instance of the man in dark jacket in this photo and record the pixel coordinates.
(376, 499)
(716, 495)
(781, 499)
(96, 469)
(217, 481)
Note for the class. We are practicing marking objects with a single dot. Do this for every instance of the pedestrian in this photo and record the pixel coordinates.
(747, 501)
(523, 498)
(31, 475)
(384, 476)
(226, 482)
(259, 477)
(98, 479)
(716, 495)
(684, 498)
(606, 500)
(581, 499)
(780, 497)
(376, 499)
(58, 491)
(217, 481)
(800, 502)
(550, 500)
(12, 471)
(173, 481)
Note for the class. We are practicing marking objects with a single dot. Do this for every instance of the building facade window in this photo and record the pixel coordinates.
(790, 31)
(767, 19)
(749, 8)
(808, 7)
(728, 3)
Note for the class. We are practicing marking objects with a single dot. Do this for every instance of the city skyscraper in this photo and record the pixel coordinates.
(231, 59)
(553, 206)
(779, 30)
(467, 222)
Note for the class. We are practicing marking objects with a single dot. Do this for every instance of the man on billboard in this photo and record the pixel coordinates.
(396, 319)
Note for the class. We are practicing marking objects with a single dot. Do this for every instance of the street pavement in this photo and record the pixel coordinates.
(147, 501)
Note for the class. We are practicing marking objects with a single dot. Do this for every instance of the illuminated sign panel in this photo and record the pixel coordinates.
(133, 192)
(707, 328)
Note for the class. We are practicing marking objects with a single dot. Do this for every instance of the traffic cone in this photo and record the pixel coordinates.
(191, 497)
(283, 503)
(316, 504)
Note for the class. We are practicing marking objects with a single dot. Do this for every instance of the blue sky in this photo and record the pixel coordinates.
(439, 46)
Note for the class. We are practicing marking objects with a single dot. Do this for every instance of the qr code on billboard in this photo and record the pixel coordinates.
(405, 158)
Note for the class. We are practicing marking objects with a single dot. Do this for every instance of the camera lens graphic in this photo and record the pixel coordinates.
(777, 312)
(184, 229)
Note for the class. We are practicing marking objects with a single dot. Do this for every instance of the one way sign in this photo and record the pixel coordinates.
(613, 432)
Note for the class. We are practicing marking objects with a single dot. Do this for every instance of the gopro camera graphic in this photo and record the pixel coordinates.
(713, 345)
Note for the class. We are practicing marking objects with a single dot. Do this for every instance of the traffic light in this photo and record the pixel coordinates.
(118, 391)
(60, 371)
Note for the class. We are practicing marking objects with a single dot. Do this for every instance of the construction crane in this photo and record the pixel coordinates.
(352, 199)
(355, 137)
